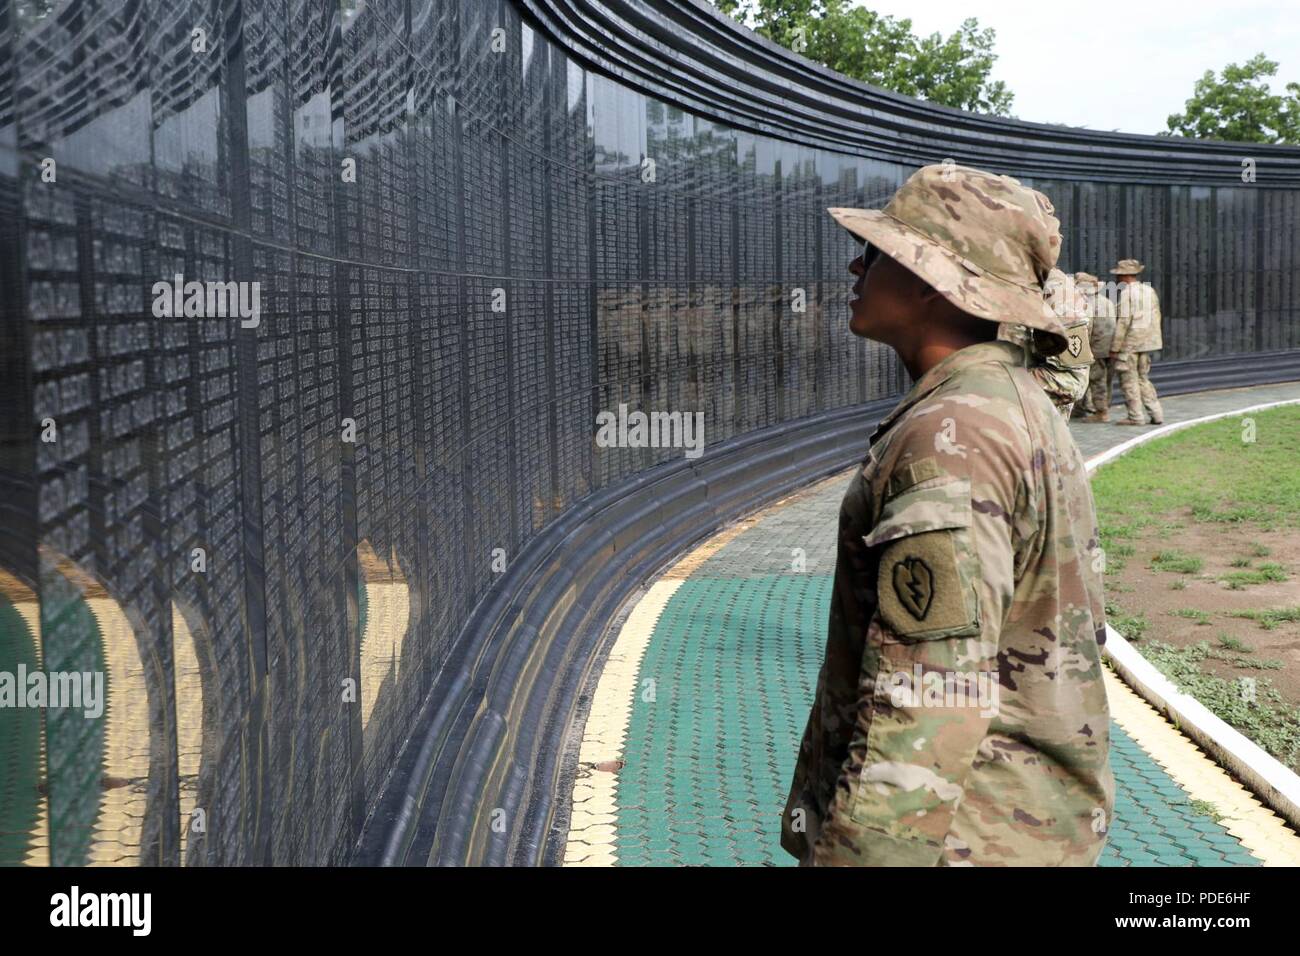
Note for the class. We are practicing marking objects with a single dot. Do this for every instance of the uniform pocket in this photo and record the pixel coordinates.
(909, 762)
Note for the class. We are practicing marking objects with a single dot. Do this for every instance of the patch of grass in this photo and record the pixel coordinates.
(1201, 618)
(1125, 530)
(1230, 643)
(1236, 580)
(1238, 514)
(1205, 808)
(1209, 472)
(1177, 562)
(1209, 475)
(1131, 626)
(1227, 643)
(1266, 719)
(1249, 663)
(1115, 549)
(1270, 618)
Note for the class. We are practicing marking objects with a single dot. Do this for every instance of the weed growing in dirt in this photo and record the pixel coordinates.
(1265, 717)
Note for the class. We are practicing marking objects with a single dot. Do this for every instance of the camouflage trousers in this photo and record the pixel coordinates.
(1101, 376)
(1134, 371)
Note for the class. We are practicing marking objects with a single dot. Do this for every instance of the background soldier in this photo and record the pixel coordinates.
(1137, 335)
(1064, 376)
(1101, 317)
(960, 716)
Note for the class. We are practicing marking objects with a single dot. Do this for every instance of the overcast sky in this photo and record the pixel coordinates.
(1112, 65)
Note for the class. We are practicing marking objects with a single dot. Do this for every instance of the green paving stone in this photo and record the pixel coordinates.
(755, 620)
(1239, 857)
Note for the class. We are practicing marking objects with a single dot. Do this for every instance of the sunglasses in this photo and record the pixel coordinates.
(869, 254)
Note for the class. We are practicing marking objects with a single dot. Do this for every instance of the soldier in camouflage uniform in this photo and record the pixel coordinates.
(1101, 317)
(1137, 335)
(960, 716)
(1064, 377)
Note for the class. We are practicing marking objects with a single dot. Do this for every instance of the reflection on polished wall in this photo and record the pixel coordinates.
(267, 537)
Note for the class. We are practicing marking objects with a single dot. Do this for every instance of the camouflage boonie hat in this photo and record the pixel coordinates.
(1127, 267)
(1086, 281)
(983, 241)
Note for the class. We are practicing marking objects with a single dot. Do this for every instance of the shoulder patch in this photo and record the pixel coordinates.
(921, 590)
(928, 567)
(1078, 347)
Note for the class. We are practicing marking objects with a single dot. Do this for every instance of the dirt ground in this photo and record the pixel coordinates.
(1140, 588)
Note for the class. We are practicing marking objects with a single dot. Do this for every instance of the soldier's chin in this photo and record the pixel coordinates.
(859, 325)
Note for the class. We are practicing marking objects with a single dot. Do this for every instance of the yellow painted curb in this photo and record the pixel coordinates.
(591, 826)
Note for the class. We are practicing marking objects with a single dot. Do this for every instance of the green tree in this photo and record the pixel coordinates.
(882, 50)
(1240, 106)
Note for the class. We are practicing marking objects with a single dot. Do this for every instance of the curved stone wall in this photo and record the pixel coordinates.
(336, 554)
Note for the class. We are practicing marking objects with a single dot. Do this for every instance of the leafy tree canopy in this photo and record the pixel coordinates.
(882, 50)
(1238, 105)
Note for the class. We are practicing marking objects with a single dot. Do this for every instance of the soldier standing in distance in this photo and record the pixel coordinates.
(1101, 316)
(1064, 376)
(1137, 335)
(960, 716)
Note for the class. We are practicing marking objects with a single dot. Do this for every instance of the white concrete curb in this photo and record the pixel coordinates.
(1266, 777)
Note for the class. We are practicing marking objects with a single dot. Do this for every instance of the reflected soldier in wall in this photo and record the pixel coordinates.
(1137, 335)
(1101, 327)
(960, 716)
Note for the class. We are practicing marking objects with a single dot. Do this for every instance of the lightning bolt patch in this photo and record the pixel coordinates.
(914, 585)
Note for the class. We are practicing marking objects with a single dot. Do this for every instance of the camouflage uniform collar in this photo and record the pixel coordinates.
(1006, 353)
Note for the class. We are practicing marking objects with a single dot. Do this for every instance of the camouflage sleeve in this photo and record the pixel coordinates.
(1123, 319)
(927, 687)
